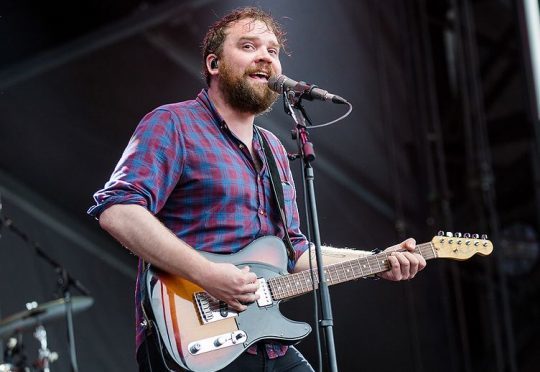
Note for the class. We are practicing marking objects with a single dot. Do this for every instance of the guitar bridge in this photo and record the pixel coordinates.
(211, 309)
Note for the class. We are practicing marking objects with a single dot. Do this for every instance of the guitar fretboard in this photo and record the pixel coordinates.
(292, 285)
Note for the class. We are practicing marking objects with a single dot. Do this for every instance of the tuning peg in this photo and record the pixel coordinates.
(449, 234)
(476, 236)
(457, 235)
(467, 235)
(484, 236)
(440, 233)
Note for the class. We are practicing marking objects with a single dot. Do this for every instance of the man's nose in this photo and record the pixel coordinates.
(264, 56)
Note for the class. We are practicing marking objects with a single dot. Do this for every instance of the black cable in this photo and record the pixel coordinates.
(336, 120)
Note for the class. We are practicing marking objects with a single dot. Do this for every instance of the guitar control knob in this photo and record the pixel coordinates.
(440, 233)
(237, 337)
(194, 349)
(457, 235)
(220, 340)
(484, 236)
(449, 234)
(467, 235)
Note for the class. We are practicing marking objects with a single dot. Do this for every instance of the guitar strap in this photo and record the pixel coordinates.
(277, 189)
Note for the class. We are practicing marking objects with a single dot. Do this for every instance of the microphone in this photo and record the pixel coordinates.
(282, 83)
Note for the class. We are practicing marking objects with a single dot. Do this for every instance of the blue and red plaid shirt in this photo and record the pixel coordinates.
(186, 167)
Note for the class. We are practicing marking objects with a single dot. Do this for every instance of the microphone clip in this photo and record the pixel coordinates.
(303, 90)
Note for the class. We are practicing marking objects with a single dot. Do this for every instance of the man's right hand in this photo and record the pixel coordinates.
(230, 284)
(135, 227)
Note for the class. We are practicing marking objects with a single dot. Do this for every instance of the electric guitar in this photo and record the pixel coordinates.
(197, 332)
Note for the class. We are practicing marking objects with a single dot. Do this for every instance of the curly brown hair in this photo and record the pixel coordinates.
(213, 41)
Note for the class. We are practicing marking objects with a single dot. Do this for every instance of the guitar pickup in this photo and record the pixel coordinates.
(265, 297)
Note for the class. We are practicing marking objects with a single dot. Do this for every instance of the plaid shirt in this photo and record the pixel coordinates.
(187, 168)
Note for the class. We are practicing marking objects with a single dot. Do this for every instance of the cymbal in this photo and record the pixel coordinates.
(42, 313)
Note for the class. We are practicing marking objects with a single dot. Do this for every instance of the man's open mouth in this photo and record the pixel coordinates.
(260, 75)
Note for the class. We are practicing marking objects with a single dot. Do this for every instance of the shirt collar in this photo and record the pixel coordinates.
(204, 99)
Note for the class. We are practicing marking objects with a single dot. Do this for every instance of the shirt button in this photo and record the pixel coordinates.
(241, 146)
(262, 212)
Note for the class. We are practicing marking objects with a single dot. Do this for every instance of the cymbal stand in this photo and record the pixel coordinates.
(45, 356)
(64, 284)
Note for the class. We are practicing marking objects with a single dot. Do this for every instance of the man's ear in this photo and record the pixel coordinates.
(212, 64)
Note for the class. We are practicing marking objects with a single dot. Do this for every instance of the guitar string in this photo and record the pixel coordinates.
(278, 291)
(295, 284)
(427, 250)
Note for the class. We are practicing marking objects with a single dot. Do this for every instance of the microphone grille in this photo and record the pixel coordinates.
(275, 83)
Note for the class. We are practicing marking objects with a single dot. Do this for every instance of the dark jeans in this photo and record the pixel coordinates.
(148, 354)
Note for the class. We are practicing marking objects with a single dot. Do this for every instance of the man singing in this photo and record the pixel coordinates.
(194, 178)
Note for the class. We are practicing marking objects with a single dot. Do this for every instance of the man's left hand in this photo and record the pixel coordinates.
(405, 264)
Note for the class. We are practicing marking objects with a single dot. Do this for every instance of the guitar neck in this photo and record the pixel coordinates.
(292, 285)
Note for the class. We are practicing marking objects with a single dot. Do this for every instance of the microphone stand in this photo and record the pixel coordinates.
(65, 282)
(307, 153)
(2, 356)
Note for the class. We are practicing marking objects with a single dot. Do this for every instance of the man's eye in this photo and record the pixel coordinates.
(248, 46)
(273, 51)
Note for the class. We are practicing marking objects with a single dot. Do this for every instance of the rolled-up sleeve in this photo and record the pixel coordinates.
(149, 168)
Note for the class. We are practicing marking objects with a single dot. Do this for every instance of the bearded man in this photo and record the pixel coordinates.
(194, 178)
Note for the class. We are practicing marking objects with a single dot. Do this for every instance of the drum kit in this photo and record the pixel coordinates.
(34, 317)
(37, 315)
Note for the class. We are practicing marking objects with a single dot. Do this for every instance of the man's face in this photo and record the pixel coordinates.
(250, 56)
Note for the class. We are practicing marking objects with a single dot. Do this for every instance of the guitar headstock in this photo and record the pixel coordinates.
(458, 247)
